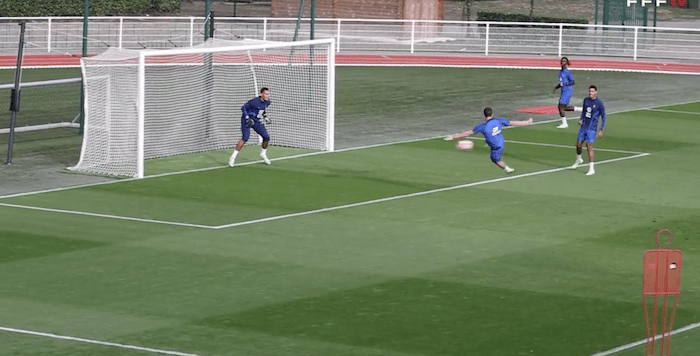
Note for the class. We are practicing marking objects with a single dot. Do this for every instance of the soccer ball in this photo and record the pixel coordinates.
(465, 145)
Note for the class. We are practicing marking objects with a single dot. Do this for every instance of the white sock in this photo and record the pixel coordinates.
(578, 109)
(590, 166)
(235, 153)
(263, 151)
(563, 120)
(578, 158)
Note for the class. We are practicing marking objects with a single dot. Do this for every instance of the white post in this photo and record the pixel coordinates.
(487, 40)
(140, 103)
(634, 57)
(561, 35)
(265, 29)
(330, 122)
(191, 31)
(121, 31)
(413, 33)
(48, 37)
(337, 38)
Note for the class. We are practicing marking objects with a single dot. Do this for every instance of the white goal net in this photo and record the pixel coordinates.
(158, 103)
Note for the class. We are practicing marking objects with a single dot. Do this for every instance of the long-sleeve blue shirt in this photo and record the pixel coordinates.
(254, 107)
(592, 111)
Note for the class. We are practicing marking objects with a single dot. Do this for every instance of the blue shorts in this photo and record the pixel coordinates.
(565, 97)
(257, 126)
(496, 154)
(586, 135)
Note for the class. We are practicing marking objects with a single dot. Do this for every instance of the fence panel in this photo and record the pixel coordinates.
(64, 35)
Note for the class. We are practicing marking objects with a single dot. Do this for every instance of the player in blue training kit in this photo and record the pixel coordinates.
(593, 109)
(492, 129)
(253, 115)
(566, 83)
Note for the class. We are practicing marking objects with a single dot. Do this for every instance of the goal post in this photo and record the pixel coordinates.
(143, 104)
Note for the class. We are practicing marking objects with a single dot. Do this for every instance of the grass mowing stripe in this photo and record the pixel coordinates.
(473, 184)
(96, 342)
(642, 342)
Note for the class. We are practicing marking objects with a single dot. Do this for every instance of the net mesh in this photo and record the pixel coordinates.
(193, 98)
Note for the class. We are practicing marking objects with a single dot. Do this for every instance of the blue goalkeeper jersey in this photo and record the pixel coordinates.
(566, 80)
(592, 111)
(492, 129)
(254, 107)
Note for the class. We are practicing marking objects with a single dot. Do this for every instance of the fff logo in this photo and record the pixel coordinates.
(674, 3)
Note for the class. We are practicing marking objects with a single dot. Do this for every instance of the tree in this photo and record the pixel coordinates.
(466, 10)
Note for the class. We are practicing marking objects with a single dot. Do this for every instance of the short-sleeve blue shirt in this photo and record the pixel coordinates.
(492, 130)
(566, 80)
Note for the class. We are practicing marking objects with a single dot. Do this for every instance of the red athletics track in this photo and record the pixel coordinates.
(481, 62)
(50, 60)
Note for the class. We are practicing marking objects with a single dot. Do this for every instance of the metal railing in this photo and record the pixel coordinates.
(64, 35)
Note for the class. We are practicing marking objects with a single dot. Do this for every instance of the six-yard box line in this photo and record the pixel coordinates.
(631, 155)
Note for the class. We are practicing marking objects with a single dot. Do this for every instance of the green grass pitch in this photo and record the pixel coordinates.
(408, 248)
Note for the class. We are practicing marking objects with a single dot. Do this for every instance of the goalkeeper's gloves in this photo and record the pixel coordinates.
(265, 118)
(250, 122)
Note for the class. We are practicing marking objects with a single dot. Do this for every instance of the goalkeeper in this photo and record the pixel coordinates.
(254, 116)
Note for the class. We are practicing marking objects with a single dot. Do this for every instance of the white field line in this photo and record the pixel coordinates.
(675, 111)
(279, 217)
(473, 184)
(96, 342)
(107, 216)
(642, 342)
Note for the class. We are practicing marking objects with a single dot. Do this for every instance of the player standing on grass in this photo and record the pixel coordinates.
(566, 83)
(252, 117)
(593, 109)
(492, 129)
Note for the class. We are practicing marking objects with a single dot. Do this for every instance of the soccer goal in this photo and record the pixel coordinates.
(143, 104)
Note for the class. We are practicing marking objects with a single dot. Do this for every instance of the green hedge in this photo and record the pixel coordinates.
(16, 8)
(501, 17)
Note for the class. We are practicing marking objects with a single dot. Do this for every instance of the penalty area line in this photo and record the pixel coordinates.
(411, 195)
(642, 342)
(96, 342)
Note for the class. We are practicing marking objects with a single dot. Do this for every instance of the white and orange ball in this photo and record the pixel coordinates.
(465, 145)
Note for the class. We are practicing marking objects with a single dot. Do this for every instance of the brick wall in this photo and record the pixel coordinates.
(363, 9)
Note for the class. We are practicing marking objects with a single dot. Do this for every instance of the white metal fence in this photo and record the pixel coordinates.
(64, 35)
